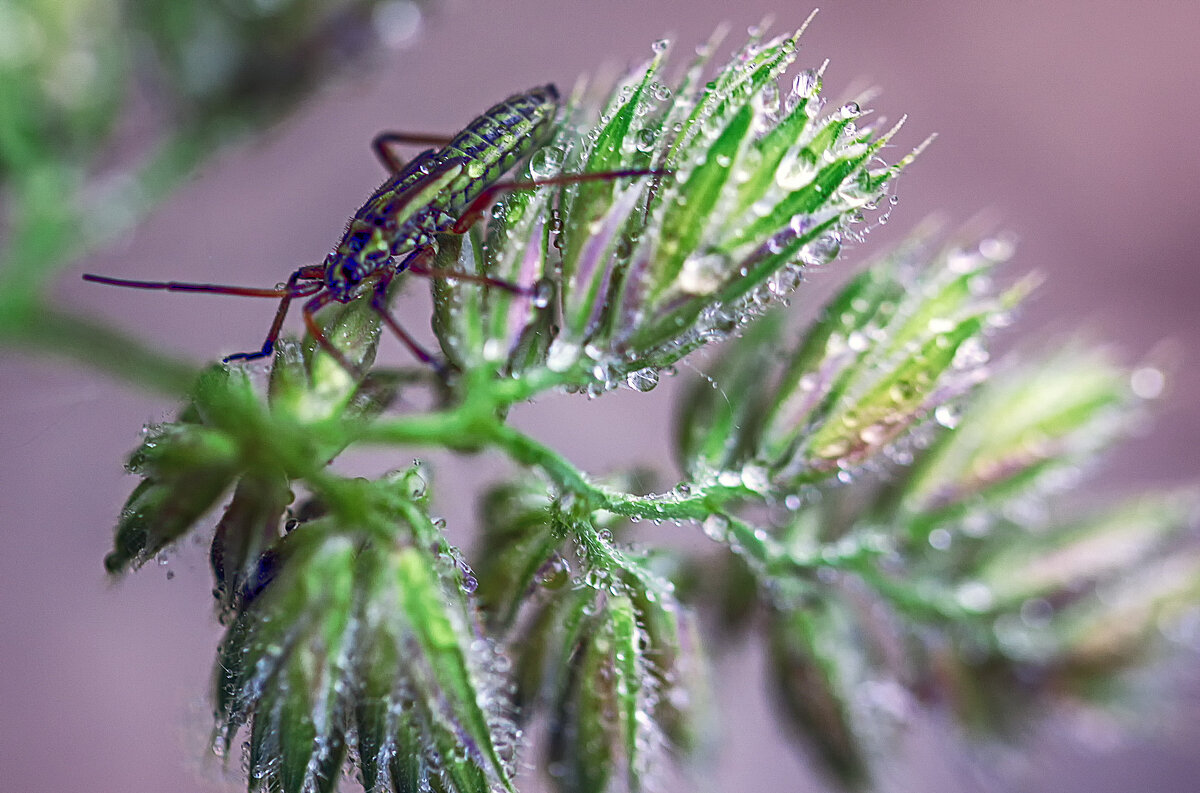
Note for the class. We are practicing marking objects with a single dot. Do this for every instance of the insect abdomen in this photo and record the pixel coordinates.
(494, 142)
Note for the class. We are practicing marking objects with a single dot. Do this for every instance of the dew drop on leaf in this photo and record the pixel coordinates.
(946, 416)
(646, 138)
(702, 275)
(562, 355)
(716, 527)
(822, 250)
(642, 380)
(756, 478)
(543, 292)
(546, 162)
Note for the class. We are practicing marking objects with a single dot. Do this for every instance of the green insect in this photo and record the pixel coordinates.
(438, 191)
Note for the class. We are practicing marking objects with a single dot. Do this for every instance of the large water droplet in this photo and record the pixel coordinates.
(716, 527)
(562, 355)
(805, 83)
(975, 596)
(946, 416)
(822, 250)
(1147, 382)
(643, 379)
(543, 292)
(940, 539)
(703, 275)
(795, 171)
(646, 138)
(756, 478)
(546, 162)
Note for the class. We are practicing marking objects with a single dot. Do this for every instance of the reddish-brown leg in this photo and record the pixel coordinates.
(318, 333)
(477, 207)
(311, 273)
(379, 303)
(429, 272)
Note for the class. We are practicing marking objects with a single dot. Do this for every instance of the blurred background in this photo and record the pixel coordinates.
(1070, 124)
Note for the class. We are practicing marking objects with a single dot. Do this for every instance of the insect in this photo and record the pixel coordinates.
(438, 191)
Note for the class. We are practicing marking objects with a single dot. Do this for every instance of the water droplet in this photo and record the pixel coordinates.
(643, 379)
(546, 162)
(397, 22)
(417, 486)
(975, 596)
(873, 434)
(785, 281)
(543, 292)
(493, 350)
(940, 539)
(795, 171)
(1147, 382)
(729, 479)
(822, 250)
(646, 138)
(562, 355)
(792, 501)
(998, 249)
(660, 46)
(716, 527)
(805, 83)
(1036, 612)
(703, 275)
(946, 415)
(756, 478)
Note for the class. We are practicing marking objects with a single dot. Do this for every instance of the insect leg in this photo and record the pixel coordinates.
(486, 280)
(379, 303)
(291, 291)
(477, 207)
(383, 142)
(315, 330)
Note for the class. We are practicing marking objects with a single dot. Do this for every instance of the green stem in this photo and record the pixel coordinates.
(44, 329)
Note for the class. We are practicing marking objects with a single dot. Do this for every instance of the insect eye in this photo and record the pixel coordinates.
(357, 241)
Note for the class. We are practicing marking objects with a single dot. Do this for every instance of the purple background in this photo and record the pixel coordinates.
(1071, 122)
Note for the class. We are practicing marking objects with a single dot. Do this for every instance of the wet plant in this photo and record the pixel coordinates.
(883, 502)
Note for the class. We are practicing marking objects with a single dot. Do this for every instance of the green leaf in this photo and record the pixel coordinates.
(815, 665)
(248, 530)
(519, 552)
(187, 468)
(685, 218)
(444, 643)
(720, 415)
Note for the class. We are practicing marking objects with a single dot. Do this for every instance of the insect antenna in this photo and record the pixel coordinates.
(185, 286)
(285, 294)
